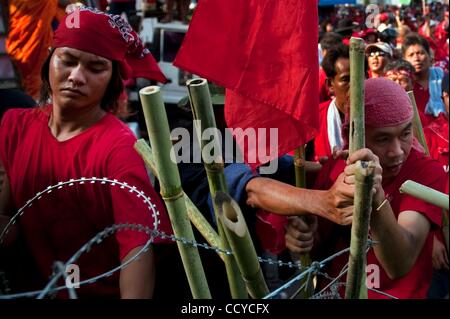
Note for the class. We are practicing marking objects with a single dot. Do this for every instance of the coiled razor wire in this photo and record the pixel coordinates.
(83, 180)
(97, 239)
(315, 267)
(92, 180)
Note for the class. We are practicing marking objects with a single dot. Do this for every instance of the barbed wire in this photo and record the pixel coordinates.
(83, 180)
(314, 269)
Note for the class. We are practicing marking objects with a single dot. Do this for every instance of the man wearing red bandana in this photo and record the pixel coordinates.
(75, 134)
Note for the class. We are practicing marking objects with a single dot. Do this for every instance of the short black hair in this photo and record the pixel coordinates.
(413, 39)
(330, 40)
(399, 65)
(329, 61)
(109, 102)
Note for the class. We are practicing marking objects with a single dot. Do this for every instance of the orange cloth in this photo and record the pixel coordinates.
(30, 36)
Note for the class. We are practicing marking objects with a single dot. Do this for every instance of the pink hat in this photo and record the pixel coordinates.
(386, 103)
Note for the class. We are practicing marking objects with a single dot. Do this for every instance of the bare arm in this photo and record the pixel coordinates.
(284, 199)
(400, 242)
(137, 280)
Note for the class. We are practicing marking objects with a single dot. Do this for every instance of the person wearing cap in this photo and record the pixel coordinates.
(402, 72)
(74, 134)
(427, 85)
(378, 55)
(401, 225)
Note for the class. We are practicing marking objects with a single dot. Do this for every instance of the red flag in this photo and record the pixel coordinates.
(265, 53)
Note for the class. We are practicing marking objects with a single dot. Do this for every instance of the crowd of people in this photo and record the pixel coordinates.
(73, 130)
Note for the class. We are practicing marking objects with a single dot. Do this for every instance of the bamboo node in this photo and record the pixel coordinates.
(172, 198)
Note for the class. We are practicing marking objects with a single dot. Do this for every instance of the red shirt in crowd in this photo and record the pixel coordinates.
(422, 96)
(415, 284)
(324, 93)
(436, 134)
(58, 224)
(322, 144)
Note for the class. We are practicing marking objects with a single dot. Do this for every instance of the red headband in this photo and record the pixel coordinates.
(111, 37)
(401, 71)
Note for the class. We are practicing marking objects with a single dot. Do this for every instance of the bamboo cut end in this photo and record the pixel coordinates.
(230, 213)
(357, 44)
(149, 90)
(364, 169)
(197, 82)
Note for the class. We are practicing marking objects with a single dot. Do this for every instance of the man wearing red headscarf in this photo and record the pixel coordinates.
(77, 136)
(401, 224)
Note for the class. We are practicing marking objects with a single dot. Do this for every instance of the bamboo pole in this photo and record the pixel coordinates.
(356, 279)
(299, 164)
(356, 284)
(202, 109)
(357, 127)
(300, 181)
(171, 191)
(425, 193)
(194, 215)
(241, 243)
(417, 124)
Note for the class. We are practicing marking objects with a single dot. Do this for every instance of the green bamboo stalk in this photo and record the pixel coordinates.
(300, 181)
(425, 193)
(357, 127)
(356, 284)
(417, 124)
(356, 279)
(200, 99)
(241, 243)
(299, 164)
(194, 215)
(171, 191)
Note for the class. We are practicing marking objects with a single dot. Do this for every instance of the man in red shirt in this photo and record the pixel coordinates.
(336, 65)
(401, 224)
(416, 50)
(78, 136)
(329, 40)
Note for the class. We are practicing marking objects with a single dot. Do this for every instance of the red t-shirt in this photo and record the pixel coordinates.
(418, 168)
(324, 93)
(59, 223)
(321, 141)
(422, 96)
(436, 134)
